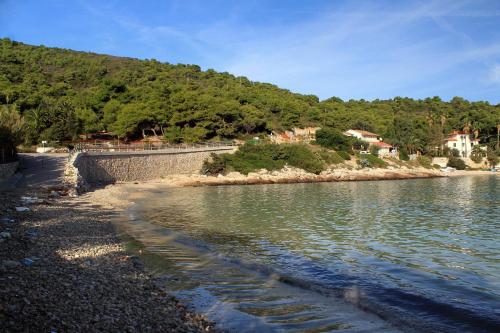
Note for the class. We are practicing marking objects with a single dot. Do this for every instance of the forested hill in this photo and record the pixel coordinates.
(61, 93)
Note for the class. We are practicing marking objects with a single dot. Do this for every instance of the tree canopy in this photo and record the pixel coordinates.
(62, 93)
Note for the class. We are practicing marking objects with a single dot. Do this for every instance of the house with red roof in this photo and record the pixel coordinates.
(373, 139)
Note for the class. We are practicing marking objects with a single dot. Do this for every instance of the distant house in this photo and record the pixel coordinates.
(373, 139)
(295, 135)
(461, 141)
(384, 149)
(363, 135)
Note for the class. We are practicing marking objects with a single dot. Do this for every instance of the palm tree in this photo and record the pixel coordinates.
(498, 136)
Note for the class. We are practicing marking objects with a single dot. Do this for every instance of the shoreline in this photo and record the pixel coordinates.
(64, 268)
(293, 175)
(286, 176)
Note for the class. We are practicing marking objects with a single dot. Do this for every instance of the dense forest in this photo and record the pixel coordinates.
(61, 93)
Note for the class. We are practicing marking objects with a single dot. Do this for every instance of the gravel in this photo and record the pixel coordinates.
(63, 269)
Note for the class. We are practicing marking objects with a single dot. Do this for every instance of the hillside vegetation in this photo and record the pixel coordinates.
(62, 93)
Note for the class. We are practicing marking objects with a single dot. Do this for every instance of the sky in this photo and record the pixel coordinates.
(349, 49)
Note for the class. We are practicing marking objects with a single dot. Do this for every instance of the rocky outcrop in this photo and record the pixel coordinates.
(294, 175)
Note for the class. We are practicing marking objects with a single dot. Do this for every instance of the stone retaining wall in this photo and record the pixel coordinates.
(106, 168)
(8, 169)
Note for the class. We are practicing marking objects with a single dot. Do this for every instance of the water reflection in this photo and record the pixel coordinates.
(434, 239)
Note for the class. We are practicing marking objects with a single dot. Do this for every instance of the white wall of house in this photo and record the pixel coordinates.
(385, 152)
(463, 143)
(360, 136)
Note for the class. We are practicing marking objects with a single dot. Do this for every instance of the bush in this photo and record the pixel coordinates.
(425, 162)
(252, 157)
(331, 157)
(492, 157)
(374, 150)
(371, 161)
(214, 165)
(455, 152)
(300, 156)
(333, 139)
(345, 155)
(457, 163)
(359, 144)
(436, 166)
(403, 155)
(477, 154)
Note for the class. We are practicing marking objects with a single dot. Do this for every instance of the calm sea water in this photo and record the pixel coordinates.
(416, 255)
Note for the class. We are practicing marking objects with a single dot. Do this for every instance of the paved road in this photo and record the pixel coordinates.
(38, 170)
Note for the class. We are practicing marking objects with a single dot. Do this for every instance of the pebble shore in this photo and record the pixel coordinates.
(63, 269)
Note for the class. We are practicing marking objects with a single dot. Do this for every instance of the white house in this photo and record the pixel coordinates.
(385, 149)
(461, 141)
(373, 139)
(363, 135)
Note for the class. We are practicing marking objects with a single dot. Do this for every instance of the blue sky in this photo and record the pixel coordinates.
(350, 49)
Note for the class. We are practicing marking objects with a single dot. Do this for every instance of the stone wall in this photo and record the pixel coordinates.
(106, 168)
(442, 161)
(8, 169)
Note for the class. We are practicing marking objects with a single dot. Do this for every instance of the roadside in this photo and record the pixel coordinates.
(63, 269)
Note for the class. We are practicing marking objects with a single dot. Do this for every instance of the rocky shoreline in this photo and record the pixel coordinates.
(63, 269)
(293, 175)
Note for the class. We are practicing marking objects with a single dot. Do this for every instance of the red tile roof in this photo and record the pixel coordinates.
(382, 144)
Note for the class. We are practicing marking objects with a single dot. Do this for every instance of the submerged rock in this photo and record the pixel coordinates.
(10, 264)
(5, 234)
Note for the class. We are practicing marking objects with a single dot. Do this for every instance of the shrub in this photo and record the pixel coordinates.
(359, 144)
(345, 155)
(477, 154)
(364, 163)
(457, 163)
(334, 139)
(251, 157)
(300, 156)
(214, 165)
(455, 152)
(331, 157)
(492, 157)
(403, 155)
(371, 161)
(374, 150)
(436, 166)
(425, 162)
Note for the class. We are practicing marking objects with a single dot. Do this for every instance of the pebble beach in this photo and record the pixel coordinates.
(63, 269)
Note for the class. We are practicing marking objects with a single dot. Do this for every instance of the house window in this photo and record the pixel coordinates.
(454, 144)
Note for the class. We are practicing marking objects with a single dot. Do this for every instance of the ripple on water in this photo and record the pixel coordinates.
(422, 253)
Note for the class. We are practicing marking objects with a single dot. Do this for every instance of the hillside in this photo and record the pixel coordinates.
(61, 93)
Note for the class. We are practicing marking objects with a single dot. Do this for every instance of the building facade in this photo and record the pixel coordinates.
(461, 141)
(373, 139)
